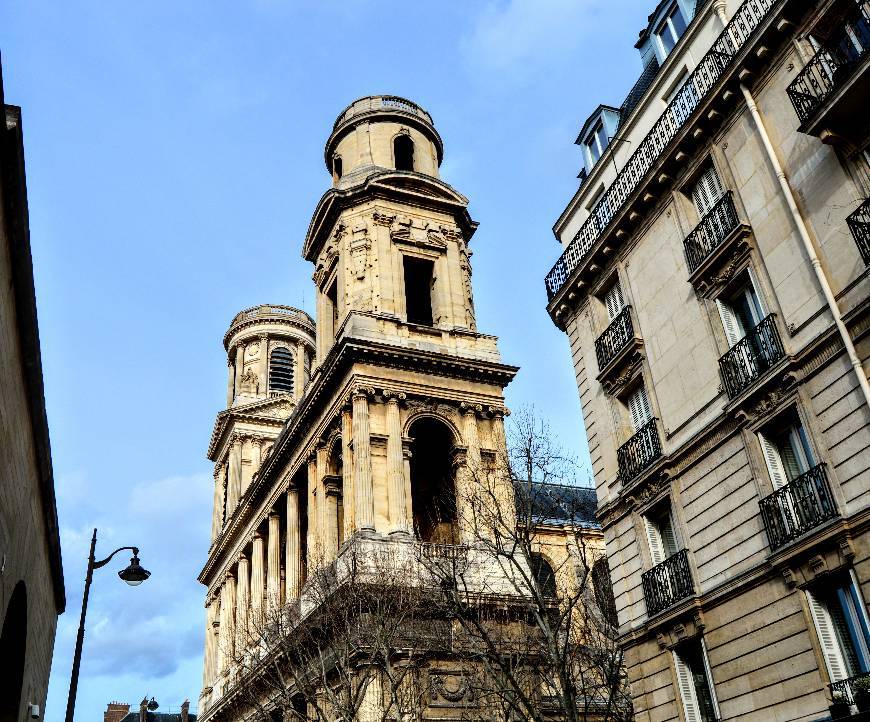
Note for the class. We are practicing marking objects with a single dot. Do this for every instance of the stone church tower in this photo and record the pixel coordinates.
(355, 433)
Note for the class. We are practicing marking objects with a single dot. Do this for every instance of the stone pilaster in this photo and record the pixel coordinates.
(217, 517)
(273, 564)
(362, 461)
(313, 516)
(234, 484)
(258, 580)
(397, 482)
(263, 365)
(330, 491)
(293, 553)
(347, 470)
(299, 371)
(256, 454)
(231, 381)
(325, 521)
(228, 623)
(240, 368)
(243, 602)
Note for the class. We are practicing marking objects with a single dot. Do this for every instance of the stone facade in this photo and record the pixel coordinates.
(715, 298)
(31, 578)
(396, 392)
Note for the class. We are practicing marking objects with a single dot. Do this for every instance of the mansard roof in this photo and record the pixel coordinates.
(415, 189)
(560, 504)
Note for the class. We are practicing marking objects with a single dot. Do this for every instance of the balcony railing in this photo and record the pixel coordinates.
(751, 356)
(639, 452)
(851, 690)
(859, 224)
(830, 68)
(798, 507)
(698, 86)
(719, 222)
(667, 583)
(615, 338)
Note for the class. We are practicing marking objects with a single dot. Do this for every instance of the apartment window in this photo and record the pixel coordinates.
(786, 450)
(660, 535)
(596, 142)
(841, 625)
(281, 370)
(671, 28)
(707, 190)
(639, 409)
(741, 310)
(403, 152)
(695, 682)
(419, 277)
(613, 301)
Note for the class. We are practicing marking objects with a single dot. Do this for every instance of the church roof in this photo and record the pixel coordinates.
(556, 503)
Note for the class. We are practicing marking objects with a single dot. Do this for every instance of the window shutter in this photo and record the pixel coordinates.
(774, 462)
(638, 408)
(613, 300)
(669, 539)
(687, 690)
(655, 541)
(827, 639)
(709, 673)
(730, 323)
(707, 191)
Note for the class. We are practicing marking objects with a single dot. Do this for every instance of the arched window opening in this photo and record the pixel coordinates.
(403, 152)
(433, 499)
(543, 574)
(337, 167)
(13, 645)
(603, 589)
(281, 371)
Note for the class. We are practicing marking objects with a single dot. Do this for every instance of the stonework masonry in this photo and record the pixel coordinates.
(714, 294)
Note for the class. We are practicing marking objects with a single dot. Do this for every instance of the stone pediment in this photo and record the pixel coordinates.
(271, 412)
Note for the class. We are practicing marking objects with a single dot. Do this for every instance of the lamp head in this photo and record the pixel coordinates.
(134, 574)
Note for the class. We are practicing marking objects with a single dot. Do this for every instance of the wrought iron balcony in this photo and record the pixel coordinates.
(719, 222)
(667, 583)
(852, 690)
(831, 67)
(639, 452)
(698, 86)
(751, 357)
(615, 338)
(798, 507)
(859, 224)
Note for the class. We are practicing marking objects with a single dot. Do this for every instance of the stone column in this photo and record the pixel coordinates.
(228, 618)
(217, 516)
(299, 371)
(313, 516)
(330, 522)
(243, 601)
(273, 565)
(293, 552)
(234, 484)
(347, 470)
(468, 477)
(324, 522)
(207, 656)
(362, 461)
(240, 367)
(214, 634)
(397, 482)
(502, 481)
(263, 366)
(231, 381)
(258, 580)
(256, 454)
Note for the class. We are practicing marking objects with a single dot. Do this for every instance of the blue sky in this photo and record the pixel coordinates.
(174, 156)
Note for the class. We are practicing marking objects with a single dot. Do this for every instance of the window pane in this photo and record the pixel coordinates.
(667, 38)
(678, 21)
(593, 150)
(602, 137)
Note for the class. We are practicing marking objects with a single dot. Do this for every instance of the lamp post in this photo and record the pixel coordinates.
(133, 574)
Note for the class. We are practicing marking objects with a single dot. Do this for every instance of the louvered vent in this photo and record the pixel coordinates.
(281, 371)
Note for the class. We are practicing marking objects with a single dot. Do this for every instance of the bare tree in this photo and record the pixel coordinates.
(539, 634)
(354, 647)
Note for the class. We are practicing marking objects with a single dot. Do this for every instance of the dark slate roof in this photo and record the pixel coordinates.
(557, 503)
(159, 717)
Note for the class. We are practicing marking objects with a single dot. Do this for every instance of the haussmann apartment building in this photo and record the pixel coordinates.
(713, 287)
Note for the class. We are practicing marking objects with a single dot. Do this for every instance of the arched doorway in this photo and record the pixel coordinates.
(433, 496)
(13, 646)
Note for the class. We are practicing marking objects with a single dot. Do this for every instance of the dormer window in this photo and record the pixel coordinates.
(671, 28)
(596, 142)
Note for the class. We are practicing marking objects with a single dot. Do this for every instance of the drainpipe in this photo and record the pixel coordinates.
(808, 244)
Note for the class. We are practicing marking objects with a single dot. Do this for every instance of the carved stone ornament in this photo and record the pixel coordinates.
(250, 382)
(734, 261)
(433, 405)
(417, 232)
(360, 244)
(615, 386)
(383, 219)
(448, 687)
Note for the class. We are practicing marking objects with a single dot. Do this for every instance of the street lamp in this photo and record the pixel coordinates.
(133, 574)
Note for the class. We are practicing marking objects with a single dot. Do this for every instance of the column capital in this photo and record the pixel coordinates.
(256, 536)
(394, 397)
(496, 411)
(362, 391)
(468, 408)
(243, 558)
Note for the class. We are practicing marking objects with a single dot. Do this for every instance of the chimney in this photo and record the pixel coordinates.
(185, 707)
(115, 712)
